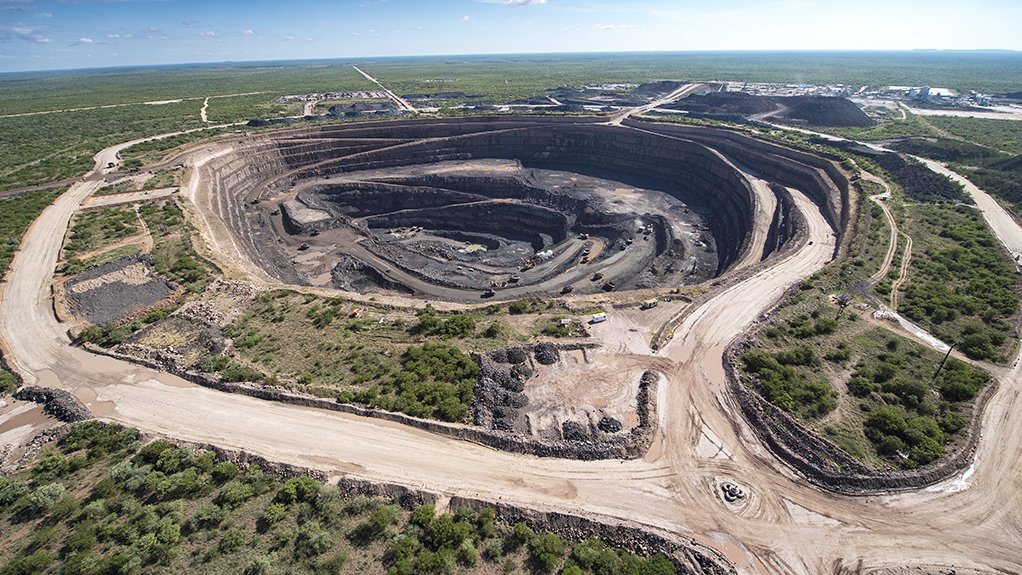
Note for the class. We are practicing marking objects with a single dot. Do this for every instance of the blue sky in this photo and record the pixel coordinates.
(54, 34)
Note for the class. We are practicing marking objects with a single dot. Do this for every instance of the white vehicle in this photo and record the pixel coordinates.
(599, 317)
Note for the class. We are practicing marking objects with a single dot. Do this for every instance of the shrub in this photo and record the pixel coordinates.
(312, 540)
(260, 565)
(207, 516)
(467, 554)
(546, 551)
(376, 525)
(518, 307)
(44, 497)
(234, 494)
(332, 565)
(297, 489)
(11, 490)
(494, 550)
(224, 471)
(422, 516)
(521, 534)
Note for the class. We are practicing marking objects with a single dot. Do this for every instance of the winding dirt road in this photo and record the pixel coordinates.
(787, 525)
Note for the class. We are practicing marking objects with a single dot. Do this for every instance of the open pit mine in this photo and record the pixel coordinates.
(505, 208)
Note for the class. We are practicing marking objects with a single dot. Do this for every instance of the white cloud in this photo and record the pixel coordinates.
(83, 40)
(208, 34)
(613, 27)
(248, 32)
(25, 33)
(466, 18)
(45, 15)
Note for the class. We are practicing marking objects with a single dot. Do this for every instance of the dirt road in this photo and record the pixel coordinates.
(787, 526)
(682, 92)
(127, 198)
(401, 102)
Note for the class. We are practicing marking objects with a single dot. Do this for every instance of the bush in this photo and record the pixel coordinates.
(297, 489)
(376, 526)
(467, 554)
(234, 494)
(422, 516)
(312, 540)
(331, 565)
(521, 534)
(31, 564)
(44, 497)
(494, 550)
(546, 551)
(786, 387)
(224, 471)
(231, 541)
(207, 516)
(518, 307)
(261, 565)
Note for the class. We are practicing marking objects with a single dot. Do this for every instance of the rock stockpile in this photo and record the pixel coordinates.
(57, 403)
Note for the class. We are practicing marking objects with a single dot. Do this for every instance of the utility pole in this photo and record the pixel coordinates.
(941, 366)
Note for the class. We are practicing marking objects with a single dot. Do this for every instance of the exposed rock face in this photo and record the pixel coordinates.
(56, 402)
(320, 169)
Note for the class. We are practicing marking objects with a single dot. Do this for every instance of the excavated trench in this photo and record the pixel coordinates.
(508, 207)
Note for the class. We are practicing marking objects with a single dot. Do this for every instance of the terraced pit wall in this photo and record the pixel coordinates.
(821, 179)
(686, 169)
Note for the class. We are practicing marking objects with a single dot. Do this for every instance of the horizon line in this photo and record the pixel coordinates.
(490, 54)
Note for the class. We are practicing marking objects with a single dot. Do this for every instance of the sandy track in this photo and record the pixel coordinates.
(906, 259)
(127, 198)
(671, 488)
(401, 102)
(682, 92)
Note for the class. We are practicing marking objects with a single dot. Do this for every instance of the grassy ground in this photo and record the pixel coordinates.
(173, 253)
(413, 361)
(38, 149)
(93, 230)
(100, 502)
(151, 152)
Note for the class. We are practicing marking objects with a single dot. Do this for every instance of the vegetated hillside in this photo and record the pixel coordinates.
(920, 183)
(961, 285)
(891, 414)
(995, 172)
(99, 502)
